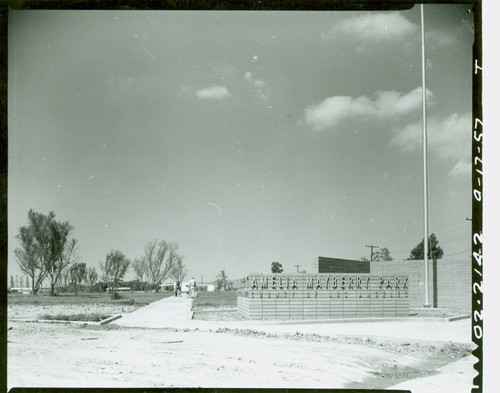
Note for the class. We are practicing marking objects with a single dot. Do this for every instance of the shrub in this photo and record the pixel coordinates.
(75, 317)
(116, 296)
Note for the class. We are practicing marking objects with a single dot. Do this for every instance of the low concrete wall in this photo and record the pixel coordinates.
(449, 281)
(323, 296)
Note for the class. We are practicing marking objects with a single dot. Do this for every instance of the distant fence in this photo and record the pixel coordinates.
(323, 295)
(338, 265)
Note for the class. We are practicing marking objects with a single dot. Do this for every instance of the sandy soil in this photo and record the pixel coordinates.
(63, 355)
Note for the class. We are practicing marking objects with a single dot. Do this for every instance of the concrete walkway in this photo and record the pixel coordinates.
(168, 312)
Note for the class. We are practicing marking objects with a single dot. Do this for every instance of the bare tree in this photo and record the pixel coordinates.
(179, 270)
(158, 259)
(114, 268)
(34, 247)
(60, 253)
(90, 277)
(30, 265)
(77, 272)
(65, 277)
(139, 269)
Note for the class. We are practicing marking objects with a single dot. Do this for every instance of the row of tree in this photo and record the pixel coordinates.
(48, 251)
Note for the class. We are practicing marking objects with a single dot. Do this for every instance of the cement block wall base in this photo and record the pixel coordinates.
(110, 319)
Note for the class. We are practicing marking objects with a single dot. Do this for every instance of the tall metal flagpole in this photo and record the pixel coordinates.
(424, 151)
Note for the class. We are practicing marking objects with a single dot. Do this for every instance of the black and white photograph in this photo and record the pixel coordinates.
(243, 198)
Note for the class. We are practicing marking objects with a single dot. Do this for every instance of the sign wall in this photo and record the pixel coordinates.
(323, 296)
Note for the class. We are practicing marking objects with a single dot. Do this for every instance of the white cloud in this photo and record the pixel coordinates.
(186, 89)
(390, 26)
(438, 38)
(259, 86)
(259, 83)
(333, 109)
(449, 137)
(462, 167)
(387, 104)
(213, 93)
(392, 103)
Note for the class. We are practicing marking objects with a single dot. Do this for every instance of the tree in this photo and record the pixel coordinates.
(91, 277)
(46, 249)
(276, 267)
(157, 261)
(77, 272)
(434, 252)
(61, 251)
(139, 269)
(382, 255)
(65, 277)
(31, 253)
(114, 268)
(12, 282)
(179, 270)
(221, 280)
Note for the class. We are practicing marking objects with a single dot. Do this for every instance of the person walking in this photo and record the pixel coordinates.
(177, 288)
(192, 287)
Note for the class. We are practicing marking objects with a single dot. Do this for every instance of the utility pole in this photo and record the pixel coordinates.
(297, 266)
(424, 153)
(469, 219)
(371, 251)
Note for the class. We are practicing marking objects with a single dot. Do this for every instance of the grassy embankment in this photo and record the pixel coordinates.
(138, 299)
(217, 300)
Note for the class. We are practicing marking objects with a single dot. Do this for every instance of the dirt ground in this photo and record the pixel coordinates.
(66, 355)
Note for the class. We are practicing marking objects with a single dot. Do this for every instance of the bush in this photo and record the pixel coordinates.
(75, 317)
(100, 287)
(116, 296)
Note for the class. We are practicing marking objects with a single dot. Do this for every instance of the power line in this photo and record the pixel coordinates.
(455, 253)
(445, 224)
(395, 242)
(394, 245)
(465, 229)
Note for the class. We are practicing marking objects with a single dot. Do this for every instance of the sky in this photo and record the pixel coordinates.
(245, 137)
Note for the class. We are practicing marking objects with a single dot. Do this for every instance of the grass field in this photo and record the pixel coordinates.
(93, 317)
(136, 298)
(225, 299)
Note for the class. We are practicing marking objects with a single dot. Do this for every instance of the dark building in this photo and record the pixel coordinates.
(337, 265)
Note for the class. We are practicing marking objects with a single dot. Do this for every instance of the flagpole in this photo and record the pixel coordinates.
(424, 152)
